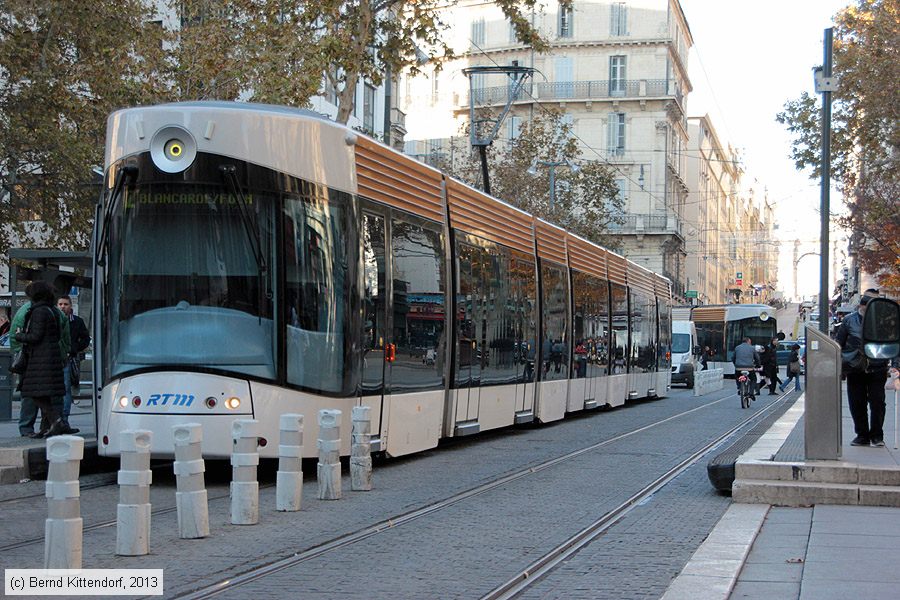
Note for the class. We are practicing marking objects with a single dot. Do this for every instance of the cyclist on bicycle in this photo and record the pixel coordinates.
(746, 358)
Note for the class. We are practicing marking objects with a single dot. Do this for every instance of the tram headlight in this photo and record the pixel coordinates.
(173, 149)
(233, 403)
(123, 401)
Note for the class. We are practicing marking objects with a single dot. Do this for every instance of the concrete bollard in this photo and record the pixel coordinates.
(289, 479)
(244, 484)
(328, 470)
(190, 498)
(133, 511)
(63, 528)
(361, 449)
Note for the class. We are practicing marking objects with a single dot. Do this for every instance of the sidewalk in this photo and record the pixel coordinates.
(14, 448)
(807, 550)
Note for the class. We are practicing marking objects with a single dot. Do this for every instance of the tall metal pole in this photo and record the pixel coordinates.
(825, 208)
(485, 174)
(552, 184)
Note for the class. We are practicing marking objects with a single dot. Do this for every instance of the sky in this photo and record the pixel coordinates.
(748, 59)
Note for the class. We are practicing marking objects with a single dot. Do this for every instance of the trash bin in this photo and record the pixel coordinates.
(7, 382)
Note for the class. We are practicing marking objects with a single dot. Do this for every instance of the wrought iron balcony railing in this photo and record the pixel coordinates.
(578, 90)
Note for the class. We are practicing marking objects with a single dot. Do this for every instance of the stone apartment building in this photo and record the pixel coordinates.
(617, 70)
(728, 229)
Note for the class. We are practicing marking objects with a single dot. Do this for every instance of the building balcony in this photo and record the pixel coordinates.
(647, 224)
(579, 91)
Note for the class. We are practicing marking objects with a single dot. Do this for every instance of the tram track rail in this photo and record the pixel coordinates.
(537, 569)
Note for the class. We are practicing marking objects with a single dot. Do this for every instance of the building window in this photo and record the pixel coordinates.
(478, 32)
(616, 144)
(565, 75)
(618, 23)
(616, 75)
(513, 128)
(435, 90)
(369, 108)
(564, 29)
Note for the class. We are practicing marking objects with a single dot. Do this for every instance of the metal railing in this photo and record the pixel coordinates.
(578, 90)
(638, 223)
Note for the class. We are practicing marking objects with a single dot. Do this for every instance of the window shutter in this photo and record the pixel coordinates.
(612, 135)
(614, 18)
(564, 75)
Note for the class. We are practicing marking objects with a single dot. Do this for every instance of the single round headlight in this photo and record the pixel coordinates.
(173, 149)
(123, 401)
(232, 403)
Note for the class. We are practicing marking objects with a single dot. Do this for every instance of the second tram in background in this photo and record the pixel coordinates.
(722, 327)
(257, 260)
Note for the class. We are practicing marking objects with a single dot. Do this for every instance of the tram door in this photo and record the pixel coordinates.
(470, 331)
(378, 351)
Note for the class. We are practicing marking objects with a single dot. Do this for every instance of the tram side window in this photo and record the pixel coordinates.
(590, 325)
(499, 365)
(523, 304)
(316, 238)
(712, 334)
(555, 320)
(618, 350)
(419, 291)
(664, 355)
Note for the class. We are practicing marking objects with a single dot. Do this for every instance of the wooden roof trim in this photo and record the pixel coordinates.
(474, 212)
(389, 177)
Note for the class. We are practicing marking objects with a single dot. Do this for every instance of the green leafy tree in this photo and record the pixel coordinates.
(66, 64)
(586, 200)
(62, 74)
(865, 148)
(374, 39)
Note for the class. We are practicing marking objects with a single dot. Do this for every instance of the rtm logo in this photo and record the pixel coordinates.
(177, 399)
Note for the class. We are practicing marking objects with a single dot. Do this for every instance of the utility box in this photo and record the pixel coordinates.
(7, 383)
(822, 425)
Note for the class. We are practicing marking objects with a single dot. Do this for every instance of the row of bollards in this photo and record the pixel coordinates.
(64, 526)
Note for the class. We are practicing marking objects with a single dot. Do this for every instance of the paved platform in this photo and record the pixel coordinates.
(806, 530)
(15, 449)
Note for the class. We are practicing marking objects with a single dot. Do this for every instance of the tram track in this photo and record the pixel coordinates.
(103, 524)
(537, 569)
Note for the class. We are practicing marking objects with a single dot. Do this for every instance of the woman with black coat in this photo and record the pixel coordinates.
(43, 377)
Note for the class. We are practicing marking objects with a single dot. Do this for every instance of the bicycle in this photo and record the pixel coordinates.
(746, 388)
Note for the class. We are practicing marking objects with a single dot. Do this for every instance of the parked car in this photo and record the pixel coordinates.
(783, 352)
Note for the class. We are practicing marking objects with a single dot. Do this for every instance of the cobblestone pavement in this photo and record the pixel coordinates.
(465, 550)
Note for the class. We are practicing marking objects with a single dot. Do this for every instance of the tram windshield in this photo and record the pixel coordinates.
(184, 286)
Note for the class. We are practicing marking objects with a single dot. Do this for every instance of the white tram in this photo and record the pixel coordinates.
(256, 260)
(722, 327)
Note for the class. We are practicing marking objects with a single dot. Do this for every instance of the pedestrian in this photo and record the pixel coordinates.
(793, 369)
(769, 361)
(704, 358)
(865, 384)
(80, 340)
(43, 377)
(746, 358)
(4, 323)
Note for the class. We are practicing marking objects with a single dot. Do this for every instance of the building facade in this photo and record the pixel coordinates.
(616, 70)
(731, 252)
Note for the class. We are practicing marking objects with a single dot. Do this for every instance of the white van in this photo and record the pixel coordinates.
(684, 361)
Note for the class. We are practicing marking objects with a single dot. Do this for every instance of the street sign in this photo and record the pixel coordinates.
(690, 294)
(739, 275)
(738, 282)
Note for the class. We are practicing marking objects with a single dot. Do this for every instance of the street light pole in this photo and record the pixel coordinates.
(825, 85)
(552, 184)
(551, 164)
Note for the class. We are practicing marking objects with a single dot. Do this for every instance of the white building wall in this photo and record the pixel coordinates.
(574, 76)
